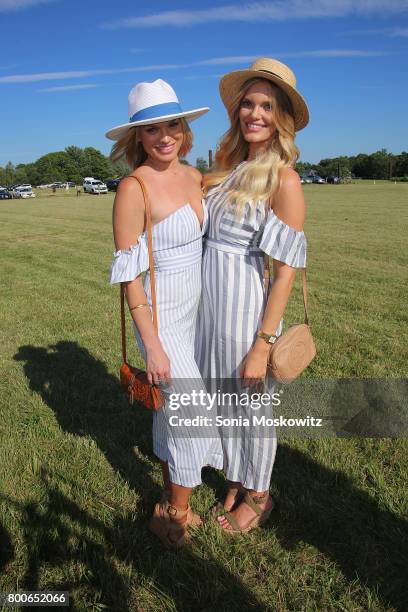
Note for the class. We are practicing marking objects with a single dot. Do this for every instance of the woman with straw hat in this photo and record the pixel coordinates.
(256, 208)
(156, 135)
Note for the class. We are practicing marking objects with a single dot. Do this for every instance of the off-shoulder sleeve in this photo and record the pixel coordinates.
(283, 242)
(128, 264)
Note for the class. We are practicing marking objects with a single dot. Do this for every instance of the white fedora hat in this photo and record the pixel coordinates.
(153, 103)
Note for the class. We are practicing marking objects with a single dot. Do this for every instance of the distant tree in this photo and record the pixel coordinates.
(119, 168)
(401, 164)
(20, 174)
(33, 176)
(361, 166)
(57, 166)
(380, 164)
(9, 174)
(202, 165)
(77, 156)
(96, 164)
(302, 168)
(336, 166)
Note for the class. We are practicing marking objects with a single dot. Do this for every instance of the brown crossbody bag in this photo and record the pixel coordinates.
(133, 380)
(293, 350)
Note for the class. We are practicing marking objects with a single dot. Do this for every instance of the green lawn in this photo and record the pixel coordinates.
(77, 476)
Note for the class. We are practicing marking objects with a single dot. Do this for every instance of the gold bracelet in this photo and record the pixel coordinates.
(137, 306)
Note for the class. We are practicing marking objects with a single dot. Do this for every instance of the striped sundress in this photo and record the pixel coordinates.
(231, 312)
(177, 253)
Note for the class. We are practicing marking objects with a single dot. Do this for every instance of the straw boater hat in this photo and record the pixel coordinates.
(271, 70)
(153, 103)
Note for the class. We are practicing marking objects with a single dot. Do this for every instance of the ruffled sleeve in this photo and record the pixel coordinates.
(283, 242)
(128, 264)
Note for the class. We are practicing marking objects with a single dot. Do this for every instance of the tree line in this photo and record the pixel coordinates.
(74, 163)
(378, 165)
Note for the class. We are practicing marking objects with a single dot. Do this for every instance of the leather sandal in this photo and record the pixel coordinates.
(261, 515)
(172, 533)
(237, 492)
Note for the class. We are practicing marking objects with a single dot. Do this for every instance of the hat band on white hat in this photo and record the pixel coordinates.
(156, 111)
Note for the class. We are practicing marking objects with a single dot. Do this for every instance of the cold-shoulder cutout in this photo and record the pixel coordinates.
(288, 203)
(283, 242)
(129, 263)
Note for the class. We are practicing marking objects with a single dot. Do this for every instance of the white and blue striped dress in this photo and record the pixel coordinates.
(231, 312)
(177, 254)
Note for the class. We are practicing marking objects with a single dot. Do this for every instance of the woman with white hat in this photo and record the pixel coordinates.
(156, 135)
(256, 208)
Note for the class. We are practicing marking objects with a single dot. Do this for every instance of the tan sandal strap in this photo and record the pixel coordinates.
(233, 491)
(232, 521)
(253, 502)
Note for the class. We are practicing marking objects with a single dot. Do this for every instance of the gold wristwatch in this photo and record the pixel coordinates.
(269, 338)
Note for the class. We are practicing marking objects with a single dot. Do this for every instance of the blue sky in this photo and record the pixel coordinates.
(66, 68)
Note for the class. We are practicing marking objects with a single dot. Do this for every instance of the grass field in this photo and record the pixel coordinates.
(77, 476)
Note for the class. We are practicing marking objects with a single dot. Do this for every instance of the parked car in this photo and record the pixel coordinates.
(318, 179)
(92, 185)
(334, 180)
(112, 185)
(5, 194)
(24, 192)
(306, 179)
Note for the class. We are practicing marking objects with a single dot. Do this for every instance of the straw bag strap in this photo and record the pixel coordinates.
(304, 285)
(151, 269)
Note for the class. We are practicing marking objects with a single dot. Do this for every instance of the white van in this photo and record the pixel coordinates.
(92, 185)
(24, 191)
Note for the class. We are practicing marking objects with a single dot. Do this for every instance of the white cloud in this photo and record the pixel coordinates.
(52, 76)
(197, 77)
(8, 6)
(400, 32)
(336, 53)
(280, 10)
(69, 87)
(215, 61)
(74, 74)
(384, 31)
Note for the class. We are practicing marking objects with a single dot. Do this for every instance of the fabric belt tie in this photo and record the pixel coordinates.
(234, 249)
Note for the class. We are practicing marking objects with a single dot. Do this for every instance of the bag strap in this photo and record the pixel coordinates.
(151, 270)
(304, 285)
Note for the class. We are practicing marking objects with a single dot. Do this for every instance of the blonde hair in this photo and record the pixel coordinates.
(130, 146)
(259, 178)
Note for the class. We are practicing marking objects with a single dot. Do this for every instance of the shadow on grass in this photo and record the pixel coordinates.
(324, 508)
(87, 401)
(58, 534)
(6, 548)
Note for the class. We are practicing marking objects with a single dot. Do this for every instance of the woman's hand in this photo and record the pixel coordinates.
(253, 369)
(157, 366)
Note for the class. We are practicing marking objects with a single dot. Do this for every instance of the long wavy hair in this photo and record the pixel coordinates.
(130, 147)
(258, 179)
